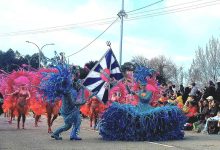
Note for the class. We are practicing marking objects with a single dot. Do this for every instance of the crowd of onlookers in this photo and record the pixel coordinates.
(202, 107)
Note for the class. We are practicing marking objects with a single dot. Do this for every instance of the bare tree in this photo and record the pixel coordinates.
(140, 61)
(178, 75)
(165, 67)
(194, 74)
(206, 64)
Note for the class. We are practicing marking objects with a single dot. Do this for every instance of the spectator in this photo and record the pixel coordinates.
(171, 100)
(198, 95)
(169, 91)
(179, 100)
(210, 99)
(200, 106)
(174, 89)
(203, 111)
(210, 90)
(191, 98)
(164, 87)
(163, 100)
(215, 118)
(213, 109)
(192, 112)
(193, 90)
(217, 92)
(186, 94)
(181, 89)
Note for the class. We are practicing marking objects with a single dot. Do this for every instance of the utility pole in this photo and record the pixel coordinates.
(121, 14)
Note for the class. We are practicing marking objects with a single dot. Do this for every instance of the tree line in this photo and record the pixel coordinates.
(13, 60)
(204, 67)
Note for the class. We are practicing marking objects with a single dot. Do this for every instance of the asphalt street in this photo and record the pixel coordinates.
(37, 138)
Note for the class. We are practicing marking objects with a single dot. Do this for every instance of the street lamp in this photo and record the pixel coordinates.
(39, 49)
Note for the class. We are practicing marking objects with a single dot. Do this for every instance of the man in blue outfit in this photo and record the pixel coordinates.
(71, 114)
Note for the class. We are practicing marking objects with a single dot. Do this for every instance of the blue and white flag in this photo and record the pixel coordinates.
(103, 75)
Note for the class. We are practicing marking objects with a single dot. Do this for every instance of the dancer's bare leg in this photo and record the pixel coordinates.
(54, 118)
(91, 118)
(23, 120)
(37, 117)
(49, 115)
(50, 122)
(11, 116)
(95, 120)
(18, 121)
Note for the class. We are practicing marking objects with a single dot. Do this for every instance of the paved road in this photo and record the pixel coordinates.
(39, 139)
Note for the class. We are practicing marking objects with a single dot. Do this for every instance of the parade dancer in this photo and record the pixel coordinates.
(71, 114)
(93, 109)
(142, 122)
(19, 89)
(39, 106)
(59, 86)
(23, 95)
(52, 113)
(51, 109)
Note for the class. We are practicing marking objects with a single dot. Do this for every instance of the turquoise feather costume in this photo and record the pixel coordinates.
(142, 122)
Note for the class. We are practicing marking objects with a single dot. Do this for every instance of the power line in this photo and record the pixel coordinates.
(60, 28)
(63, 27)
(94, 39)
(91, 23)
(171, 11)
(145, 6)
(51, 29)
(180, 4)
(165, 13)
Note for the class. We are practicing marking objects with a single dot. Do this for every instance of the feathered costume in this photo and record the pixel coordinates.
(39, 105)
(12, 82)
(92, 109)
(19, 90)
(120, 94)
(142, 122)
(59, 86)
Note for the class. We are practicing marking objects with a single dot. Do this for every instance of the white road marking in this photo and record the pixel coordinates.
(161, 144)
(170, 146)
(89, 129)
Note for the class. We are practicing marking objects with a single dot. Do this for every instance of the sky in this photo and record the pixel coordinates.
(149, 32)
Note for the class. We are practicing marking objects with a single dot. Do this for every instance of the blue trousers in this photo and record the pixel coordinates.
(76, 126)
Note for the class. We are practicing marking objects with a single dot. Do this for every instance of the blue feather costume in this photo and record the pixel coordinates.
(142, 122)
(59, 86)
